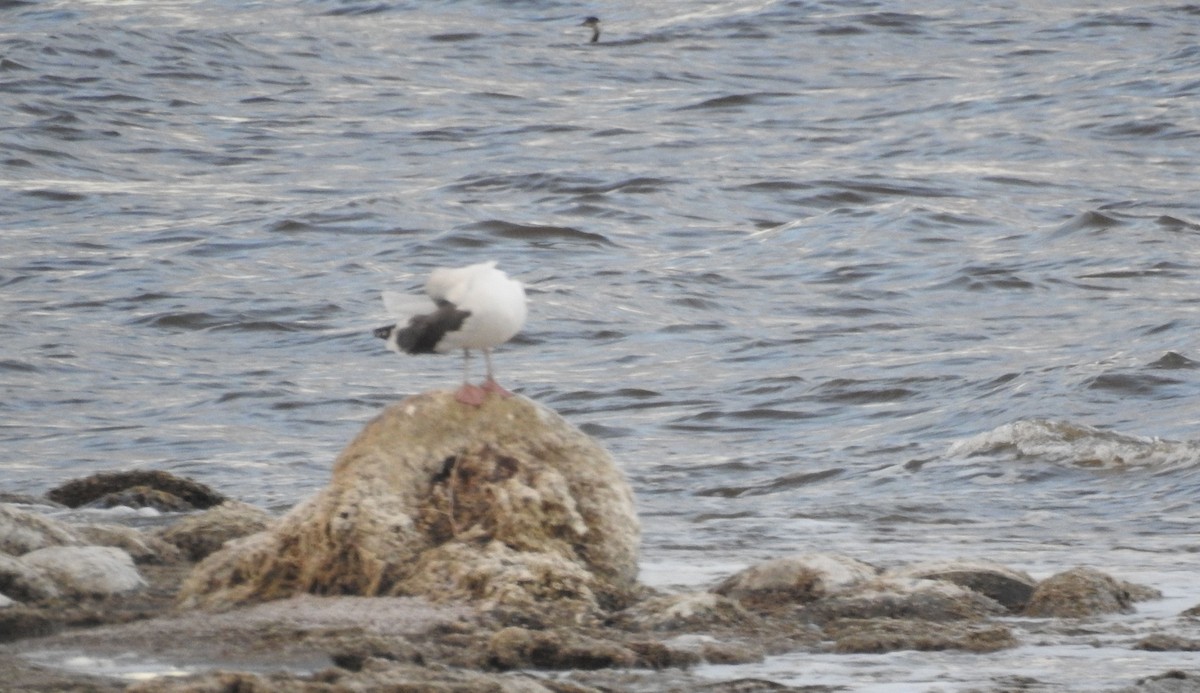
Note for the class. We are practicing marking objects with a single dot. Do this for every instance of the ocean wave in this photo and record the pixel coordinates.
(1077, 445)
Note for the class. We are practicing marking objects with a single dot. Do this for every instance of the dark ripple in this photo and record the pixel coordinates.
(988, 278)
(607, 432)
(204, 321)
(357, 9)
(775, 185)
(626, 398)
(841, 30)
(449, 134)
(1161, 269)
(54, 195)
(741, 421)
(264, 394)
(789, 482)
(1174, 361)
(347, 221)
(734, 101)
(1114, 19)
(888, 188)
(541, 235)
(896, 21)
(232, 247)
(851, 391)
(1150, 129)
(1139, 384)
(562, 184)
(1176, 224)
(455, 37)
(1088, 221)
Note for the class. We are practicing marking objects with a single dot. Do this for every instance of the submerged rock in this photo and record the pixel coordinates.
(202, 534)
(1170, 682)
(520, 648)
(905, 598)
(705, 648)
(136, 488)
(142, 497)
(18, 622)
(1079, 592)
(1163, 642)
(690, 610)
(506, 504)
(374, 675)
(794, 580)
(890, 635)
(1011, 588)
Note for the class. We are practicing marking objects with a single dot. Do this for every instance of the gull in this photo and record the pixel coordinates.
(474, 307)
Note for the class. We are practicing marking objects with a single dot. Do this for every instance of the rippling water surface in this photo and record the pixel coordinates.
(822, 275)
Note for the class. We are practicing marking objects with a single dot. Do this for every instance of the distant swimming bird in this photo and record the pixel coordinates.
(474, 307)
(593, 22)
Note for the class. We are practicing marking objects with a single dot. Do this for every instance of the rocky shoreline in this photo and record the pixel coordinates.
(467, 550)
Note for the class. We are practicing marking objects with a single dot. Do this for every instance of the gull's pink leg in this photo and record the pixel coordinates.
(490, 385)
(471, 395)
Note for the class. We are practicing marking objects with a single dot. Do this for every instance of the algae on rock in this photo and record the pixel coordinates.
(506, 504)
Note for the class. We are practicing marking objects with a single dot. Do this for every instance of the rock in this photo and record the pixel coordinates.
(353, 652)
(691, 610)
(730, 653)
(202, 534)
(24, 582)
(87, 570)
(753, 685)
(1140, 593)
(876, 636)
(521, 648)
(496, 574)
(142, 497)
(212, 682)
(26, 499)
(143, 548)
(905, 598)
(505, 503)
(1169, 682)
(1077, 593)
(794, 580)
(22, 531)
(375, 675)
(709, 649)
(1161, 642)
(1011, 588)
(18, 622)
(81, 492)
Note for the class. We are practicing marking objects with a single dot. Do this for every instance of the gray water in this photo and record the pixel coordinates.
(895, 282)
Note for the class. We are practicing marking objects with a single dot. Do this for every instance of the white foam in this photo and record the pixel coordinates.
(1064, 442)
